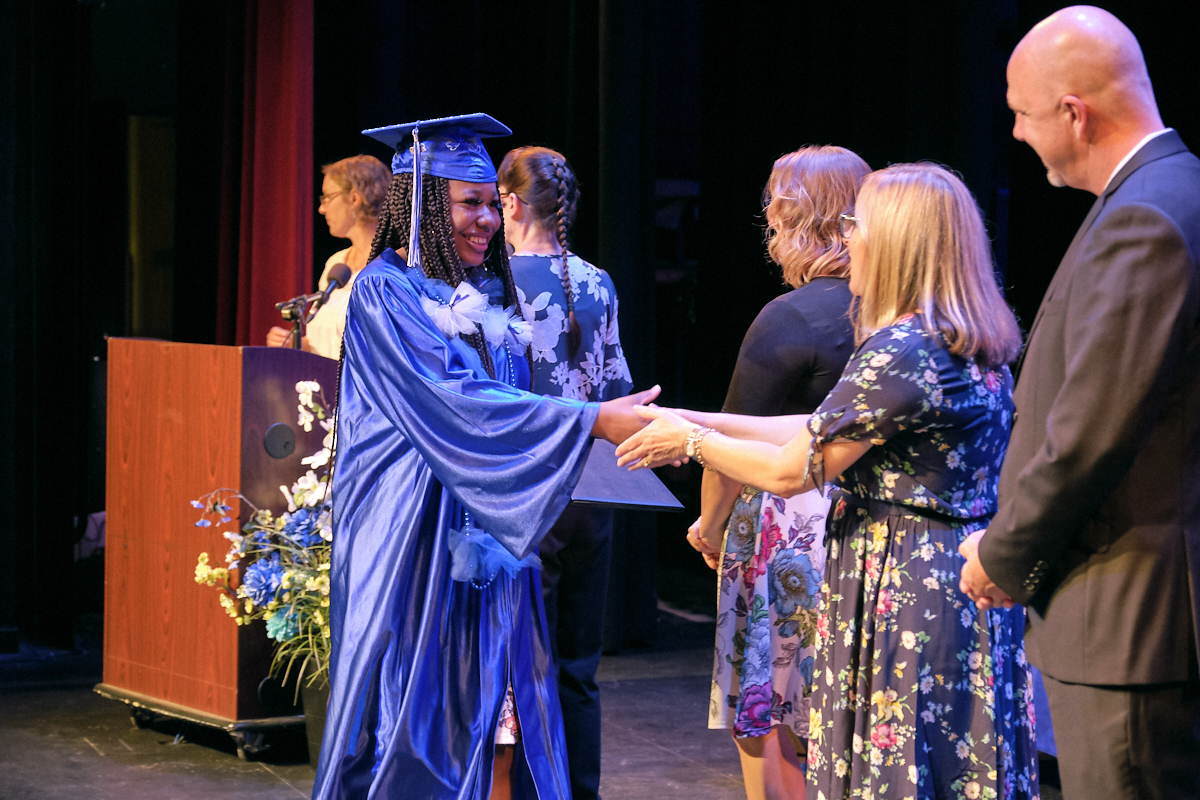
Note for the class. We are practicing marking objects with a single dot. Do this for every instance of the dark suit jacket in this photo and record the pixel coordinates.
(1098, 528)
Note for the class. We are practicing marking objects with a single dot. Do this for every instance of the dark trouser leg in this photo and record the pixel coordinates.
(1127, 741)
(575, 556)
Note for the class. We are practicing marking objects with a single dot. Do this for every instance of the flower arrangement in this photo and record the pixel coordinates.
(283, 560)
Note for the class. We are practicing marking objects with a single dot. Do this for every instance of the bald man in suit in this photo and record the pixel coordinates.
(1098, 529)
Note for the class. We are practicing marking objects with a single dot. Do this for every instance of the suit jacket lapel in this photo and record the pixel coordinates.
(1161, 146)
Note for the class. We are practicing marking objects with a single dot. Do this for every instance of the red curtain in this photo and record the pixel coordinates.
(268, 181)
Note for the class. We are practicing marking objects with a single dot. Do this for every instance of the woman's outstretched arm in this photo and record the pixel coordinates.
(778, 469)
(776, 430)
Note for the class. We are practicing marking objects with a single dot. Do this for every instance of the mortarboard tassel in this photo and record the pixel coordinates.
(414, 226)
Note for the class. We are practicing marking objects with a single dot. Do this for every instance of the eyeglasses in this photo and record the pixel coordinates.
(847, 224)
(325, 198)
(514, 194)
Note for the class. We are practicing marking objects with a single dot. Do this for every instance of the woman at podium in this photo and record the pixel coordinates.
(352, 194)
(448, 474)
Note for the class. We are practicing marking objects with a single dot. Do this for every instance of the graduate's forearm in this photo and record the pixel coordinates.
(775, 430)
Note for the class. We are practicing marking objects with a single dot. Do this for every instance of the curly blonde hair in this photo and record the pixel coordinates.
(806, 194)
(926, 251)
(367, 175)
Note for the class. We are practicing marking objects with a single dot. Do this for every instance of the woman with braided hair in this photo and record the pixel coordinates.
(448, 475)
(571, 307)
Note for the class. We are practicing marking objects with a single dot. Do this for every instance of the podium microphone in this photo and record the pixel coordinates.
(337, 277)
(298, 310)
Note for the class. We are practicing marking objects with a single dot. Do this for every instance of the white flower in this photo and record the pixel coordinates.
(317, 459)
(908, 639)
(972, 790)
(931, 583)
(967, 617)
(962, 749)
(975, 660)
(840, 767)
(976, 375)
(953, 459)
(926, 552)
(930, 376)
(912, 774)
(462, 314)
(546, 333)
(869, 375)
(858, 743)
(927, 687)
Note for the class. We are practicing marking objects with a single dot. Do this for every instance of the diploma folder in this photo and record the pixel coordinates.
(603, 483)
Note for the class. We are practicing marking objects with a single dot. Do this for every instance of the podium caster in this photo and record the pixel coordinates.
(140, 718)
(249, 744)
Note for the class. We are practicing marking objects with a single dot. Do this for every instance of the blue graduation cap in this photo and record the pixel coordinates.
(448, 147)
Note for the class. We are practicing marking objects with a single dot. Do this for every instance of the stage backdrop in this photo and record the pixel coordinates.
(273, 260)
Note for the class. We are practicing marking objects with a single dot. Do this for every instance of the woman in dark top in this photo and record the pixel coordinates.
(918, 693)
(772, 554)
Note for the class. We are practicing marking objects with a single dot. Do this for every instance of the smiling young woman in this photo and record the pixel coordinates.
(448, 474)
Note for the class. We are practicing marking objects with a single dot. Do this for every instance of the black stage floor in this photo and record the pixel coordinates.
(61, 741)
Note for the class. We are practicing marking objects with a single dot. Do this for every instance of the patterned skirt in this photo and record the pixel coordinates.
(918, 693)
(768, 589)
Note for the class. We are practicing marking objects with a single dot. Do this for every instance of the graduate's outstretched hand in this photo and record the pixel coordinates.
(617, 420)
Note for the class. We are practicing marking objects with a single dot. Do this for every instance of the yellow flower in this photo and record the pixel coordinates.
(888, 704)
(815, 731)
(249, 605)
(879, 533)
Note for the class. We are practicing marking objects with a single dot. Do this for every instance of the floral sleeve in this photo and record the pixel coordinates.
(889, 383)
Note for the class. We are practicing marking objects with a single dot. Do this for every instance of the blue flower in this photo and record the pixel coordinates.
(261, 580)
(806, 670)
(757, 665)
(283, 626)
(301, 527)
(795, 582)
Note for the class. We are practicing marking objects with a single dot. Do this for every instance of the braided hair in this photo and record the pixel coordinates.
(545, 182)
(440, 260)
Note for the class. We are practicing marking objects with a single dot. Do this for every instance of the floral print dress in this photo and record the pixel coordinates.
(917, 693)
(768, 591)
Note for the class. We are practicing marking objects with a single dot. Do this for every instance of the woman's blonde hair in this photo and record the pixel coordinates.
(927, 252)
(807, 191)
(367, 175)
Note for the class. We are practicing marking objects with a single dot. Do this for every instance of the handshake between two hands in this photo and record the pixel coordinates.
(645, 434)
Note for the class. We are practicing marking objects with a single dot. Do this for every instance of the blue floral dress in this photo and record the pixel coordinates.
(767, 597)
(917, 693)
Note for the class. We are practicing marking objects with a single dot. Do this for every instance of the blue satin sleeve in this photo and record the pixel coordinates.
(511, 458)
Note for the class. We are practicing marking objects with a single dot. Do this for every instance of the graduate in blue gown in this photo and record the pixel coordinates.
(448, 474)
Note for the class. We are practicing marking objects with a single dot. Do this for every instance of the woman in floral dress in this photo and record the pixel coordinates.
(918, 694)
(771, 555)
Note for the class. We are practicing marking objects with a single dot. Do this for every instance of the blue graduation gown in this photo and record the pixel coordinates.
(421, 662)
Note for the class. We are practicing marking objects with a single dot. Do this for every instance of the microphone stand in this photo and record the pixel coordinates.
(297, 312)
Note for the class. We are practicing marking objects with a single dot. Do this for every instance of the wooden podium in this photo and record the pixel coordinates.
(183, 420)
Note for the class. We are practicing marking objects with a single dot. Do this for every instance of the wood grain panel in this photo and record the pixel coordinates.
(183, 420)
(174, 421)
